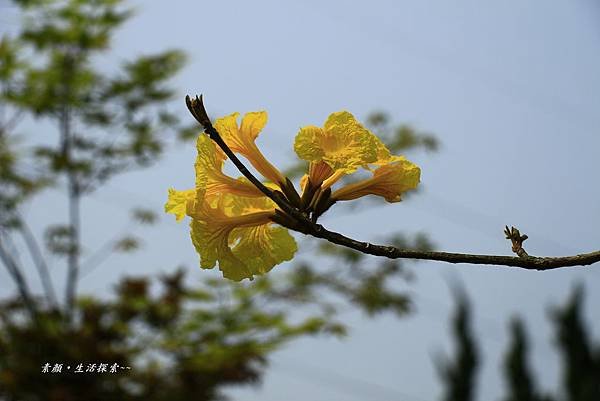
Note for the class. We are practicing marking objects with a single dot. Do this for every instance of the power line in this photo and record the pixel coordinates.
(471, 222)
(353, 386)
(440, 58)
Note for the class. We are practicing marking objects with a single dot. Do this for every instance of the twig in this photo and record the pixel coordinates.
(16, 274)
(102, 253)
(196, 107)
(40, 263)
(292, 218)
(526, 262)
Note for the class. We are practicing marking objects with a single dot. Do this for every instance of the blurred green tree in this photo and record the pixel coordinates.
(580, 357)
(179, 344)
(105, 124)
(90, 126)
(459, 375)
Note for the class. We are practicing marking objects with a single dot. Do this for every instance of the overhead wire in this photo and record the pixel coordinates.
(356, 387)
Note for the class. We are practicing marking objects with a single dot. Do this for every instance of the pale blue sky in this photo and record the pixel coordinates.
(511, 89)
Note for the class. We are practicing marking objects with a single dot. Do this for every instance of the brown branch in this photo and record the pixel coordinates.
(294, 219)
(526, 262)
(196, 107)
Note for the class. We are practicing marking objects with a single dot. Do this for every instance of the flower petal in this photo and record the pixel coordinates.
(228, 129)
(389, 181)
(319, 172)
(344, 144)
(211, 243)
(237, 233)
(351, 145)
(383, 153)
(177, 202)
(210, 179)
(307, 145)
(241, 140)
(263, 247)
(211, 233)
(253, 123)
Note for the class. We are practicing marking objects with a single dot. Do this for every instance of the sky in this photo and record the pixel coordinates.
(510, 89)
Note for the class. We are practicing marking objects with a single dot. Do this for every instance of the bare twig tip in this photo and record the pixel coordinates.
(516, 239)
(196, 108)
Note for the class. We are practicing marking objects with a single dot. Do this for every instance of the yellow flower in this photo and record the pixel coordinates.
(177, 202)
(232, 222)
(383, 153)
(236, 232)
(389, 181)
(241, 139)
(210, 179)
(340, 147)
(231, 219)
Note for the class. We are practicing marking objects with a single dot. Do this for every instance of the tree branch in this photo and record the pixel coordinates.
(16, 274)
(196, 107)
(40, 262)
(102, 253)
(294, 219)
(74, 192)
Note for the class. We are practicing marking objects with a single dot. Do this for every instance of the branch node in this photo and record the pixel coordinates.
(517, 240)
(196, 107)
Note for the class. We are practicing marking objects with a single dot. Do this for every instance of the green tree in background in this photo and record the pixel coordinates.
(459, 375)
(103, 124)
(181, 341)
(580, 357)
(179, 344)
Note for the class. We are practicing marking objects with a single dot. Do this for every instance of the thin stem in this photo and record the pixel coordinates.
(526, 262)
(66, 136)
(297, 221)
(74, 224)
(18, 278)
(196, 107)
(102, 253)
(39, 261)
(73, 258)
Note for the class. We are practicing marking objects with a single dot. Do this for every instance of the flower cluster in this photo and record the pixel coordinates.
(233, 222)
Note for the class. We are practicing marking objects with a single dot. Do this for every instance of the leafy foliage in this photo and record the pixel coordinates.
(518, 376)
(107, 123)
(459, 375)
(580, 358)
(179, 339)
(104, 123)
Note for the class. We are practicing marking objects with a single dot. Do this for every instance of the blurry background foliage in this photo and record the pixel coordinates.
(182, 341)
(580, 357)
(179, 339)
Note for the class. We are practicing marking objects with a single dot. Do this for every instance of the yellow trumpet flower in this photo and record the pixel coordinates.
(231, 219)
(389, 181)
(233, 223)
(178, 201)
(237, 233)
(210, 179)
(241, 139)
(340, 147)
